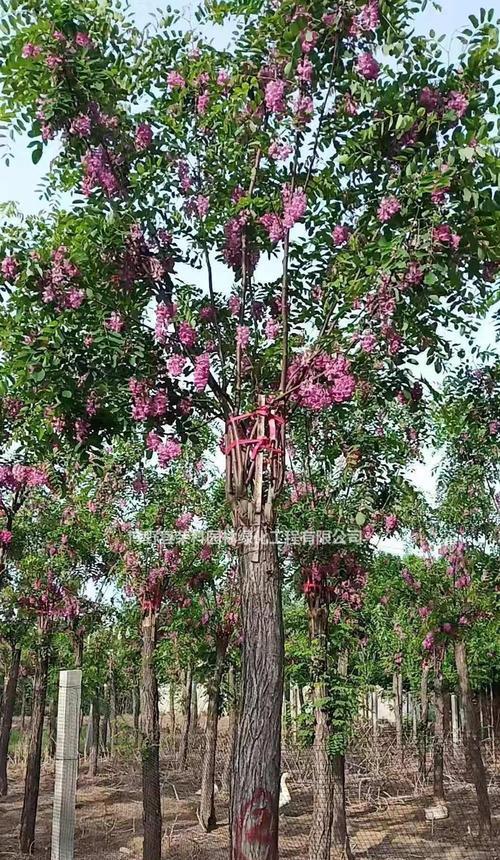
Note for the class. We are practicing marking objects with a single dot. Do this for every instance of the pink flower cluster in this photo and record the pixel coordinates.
(388, 208)
(341, 580)
(164, 316)
(275, 96)
(57, 282)
(340, 235)
(175, 80)
(294, 208)
(143, 137)
(10, 268)
(320, 381)
(280, 151)
(166, 451)
(99, 172)
(146, 404)
(410, 580)
(201, 371)
(434, 102)
(367, 19)
(367, 66)
(445, 236)
(187, 334)
(115, 322)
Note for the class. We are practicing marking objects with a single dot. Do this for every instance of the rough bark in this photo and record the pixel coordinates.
(51, 749)
(186, 729)
(194, 708)
(397, 686)
(256, 767)
(8, 712)
(207, 816)
(112, 710)
(423, 724)
(341, 849)
(23, 704)
(94, 743)
(232, 731)
(34, 756)
(438, 749)
(136, 709)
(473, 740)
(173, 725)
(320, 836)
(150, 743)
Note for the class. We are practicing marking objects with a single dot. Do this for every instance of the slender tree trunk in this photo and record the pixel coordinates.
(397, 686)
(194, 708)
(320, 835)
(104, 727)
(256, 771)
(23, 704)
(423, 724)
(8, 713)
(188, 700)
(136, 708)
(232, 730)
(173, 722)
(207, 817)
(88, 736)
(34, 757)
(150, 743)
(53, 725)
(473, 740)
(112, 710)
(341, 849)
(438, 766)
(94, 744)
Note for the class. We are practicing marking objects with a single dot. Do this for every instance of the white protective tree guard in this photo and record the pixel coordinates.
(68, 730)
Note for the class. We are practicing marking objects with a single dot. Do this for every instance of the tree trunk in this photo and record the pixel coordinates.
(150, 743)
(34, 756)
(257, 758)
(341, 849)
(473, 741)
(136, 708)
(438, 767)
(112, 711)
(455, 729)
(88, 736)
(94, 743)
(188, 700)
(207, 817)
(23, 704)
(104, 727)
(232, 730)
(173, 726)
(194, 708)
(8, 713)
(423, 724)
(397, 686)
(53, 725)
(320, 835)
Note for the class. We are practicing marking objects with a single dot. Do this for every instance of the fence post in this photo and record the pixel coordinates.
(68, 723)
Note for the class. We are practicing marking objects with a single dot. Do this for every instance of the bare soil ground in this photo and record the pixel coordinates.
(386, 819)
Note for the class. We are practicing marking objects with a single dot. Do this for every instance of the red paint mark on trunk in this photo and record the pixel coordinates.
(255, 829)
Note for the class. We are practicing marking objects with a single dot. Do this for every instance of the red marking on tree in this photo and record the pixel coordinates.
(255, 826)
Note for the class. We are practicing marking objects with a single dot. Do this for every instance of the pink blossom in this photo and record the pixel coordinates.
(187, 334)
(184, 521)
(176, 365)
(272, 329)
(350, 105)
(30, 50)
(5, 537)
(445, 235)
(206, 552)
(428, 643)
(414, 275)
(274, 226)
(175, 79)
(59, 37)
(438, 196)
(164, 316)
(168, 451)
(242, 336)
(389, 206)
(153, 441)
(184, 176)
(83, 40)
(202, 103)
(115, 322)
(457, 102)
(81, 125)
(10, 268)
(340, 235)
(53, 61)
(202, 205)
(82, 428)
(99, 170)
(447, 627)
(367, 66)
(201, 371)
(424, 612)
(367, 19)
(308, 40)
(274, 96)
(208, 314)
(305, 70)
(368, 531)
(294, 206)
(368, 342)
(234, 304)
(494, 427)
(143, 136)
(430, 99)
(279, 151)
(303, 108)
(223, 78)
